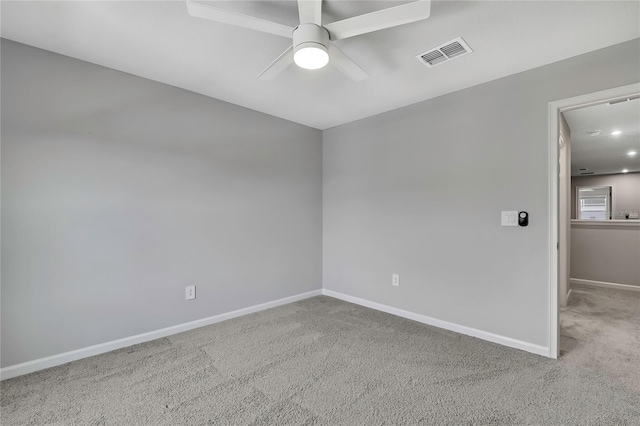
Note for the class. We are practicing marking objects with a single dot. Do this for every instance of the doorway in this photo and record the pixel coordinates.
(559, 218)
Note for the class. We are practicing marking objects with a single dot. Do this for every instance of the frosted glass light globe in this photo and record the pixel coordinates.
(311, 57)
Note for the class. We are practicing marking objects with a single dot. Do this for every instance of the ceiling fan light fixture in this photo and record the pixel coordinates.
(310, 43)
(311, 56)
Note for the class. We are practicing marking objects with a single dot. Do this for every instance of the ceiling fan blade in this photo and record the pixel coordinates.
(345, 64)
(310, 11)
(226, 17)
(277, 66)
(379, 20)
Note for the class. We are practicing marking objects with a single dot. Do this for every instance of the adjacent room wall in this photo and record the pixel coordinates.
(625, 188)
(418, 191)
(606, 253)
(118, 191)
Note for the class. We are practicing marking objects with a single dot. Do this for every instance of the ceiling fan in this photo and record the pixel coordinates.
(312, 42)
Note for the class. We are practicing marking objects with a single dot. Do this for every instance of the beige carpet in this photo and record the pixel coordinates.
(322, 362)
(600, 330)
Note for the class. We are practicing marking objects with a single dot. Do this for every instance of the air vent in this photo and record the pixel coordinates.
(583, 170)
(444, 53)
(585, 173)
(619, 101)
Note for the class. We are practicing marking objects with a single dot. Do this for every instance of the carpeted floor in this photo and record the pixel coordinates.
(322, 361)
(600, 330)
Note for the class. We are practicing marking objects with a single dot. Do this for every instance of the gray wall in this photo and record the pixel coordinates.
(418, 191)
(118, 191)
(607, 253)
(625, 189)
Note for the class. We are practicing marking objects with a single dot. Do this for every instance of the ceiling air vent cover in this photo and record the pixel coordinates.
(444, 53)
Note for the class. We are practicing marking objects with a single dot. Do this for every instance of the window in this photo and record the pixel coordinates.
(593, 202)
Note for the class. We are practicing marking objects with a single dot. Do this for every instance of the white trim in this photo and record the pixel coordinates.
(569, 292)
(554, 211)
(480, 334)
(604, 284)
(63, 358)
(555, 108)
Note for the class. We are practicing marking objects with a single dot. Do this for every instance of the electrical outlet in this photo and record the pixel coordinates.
(395, 280)
(190, 292)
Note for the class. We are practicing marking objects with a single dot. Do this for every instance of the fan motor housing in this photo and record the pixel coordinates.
(310, 35)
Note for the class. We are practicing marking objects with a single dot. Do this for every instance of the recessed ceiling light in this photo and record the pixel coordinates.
(632, 153)
(616, 132)
(594, 133)
(625, 170)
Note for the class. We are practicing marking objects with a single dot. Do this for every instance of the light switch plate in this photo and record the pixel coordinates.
(509, 218)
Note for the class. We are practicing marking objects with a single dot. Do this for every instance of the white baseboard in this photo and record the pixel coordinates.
(480, 334)
(63, 358)
(564, 302)
(603, 284)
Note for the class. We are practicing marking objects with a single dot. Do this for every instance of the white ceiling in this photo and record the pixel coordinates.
(160, 41)
(605, 153)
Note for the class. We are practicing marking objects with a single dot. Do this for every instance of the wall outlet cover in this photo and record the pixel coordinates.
(190, 292)
(395, 280)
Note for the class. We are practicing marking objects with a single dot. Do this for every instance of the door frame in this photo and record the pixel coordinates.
(555, 108)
